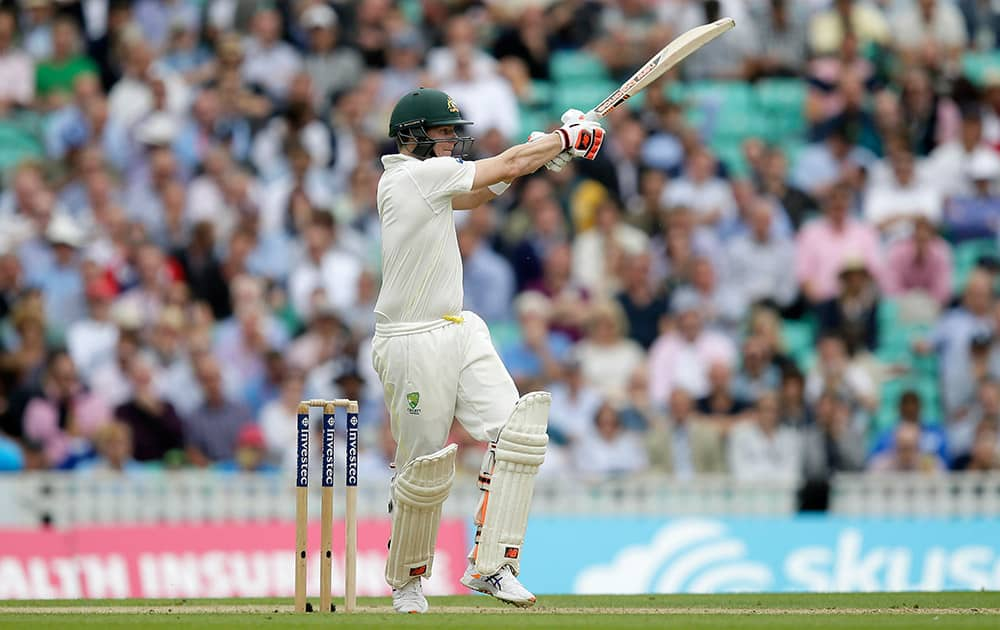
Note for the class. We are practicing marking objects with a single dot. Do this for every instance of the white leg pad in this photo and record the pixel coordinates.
(417, 494)
(503, 513)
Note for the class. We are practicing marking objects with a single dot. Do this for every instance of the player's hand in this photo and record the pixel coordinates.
(581, 137)
(558, 162)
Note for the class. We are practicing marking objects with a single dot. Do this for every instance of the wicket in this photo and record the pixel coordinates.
(326, 504)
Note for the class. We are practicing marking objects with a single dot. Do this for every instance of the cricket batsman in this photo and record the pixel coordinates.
(436, 360)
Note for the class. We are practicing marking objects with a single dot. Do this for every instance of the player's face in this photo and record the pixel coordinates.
(443, 149)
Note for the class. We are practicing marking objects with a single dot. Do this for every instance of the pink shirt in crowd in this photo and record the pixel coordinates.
(675, 362)
(41, 425)
(904, 273)
(820, 253)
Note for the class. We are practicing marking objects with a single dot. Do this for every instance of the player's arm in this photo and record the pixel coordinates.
(473, 199)
(582, 138)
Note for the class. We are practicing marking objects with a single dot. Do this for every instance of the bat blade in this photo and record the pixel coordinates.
(671, 55)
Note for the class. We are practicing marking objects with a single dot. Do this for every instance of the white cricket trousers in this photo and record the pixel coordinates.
(436, 371)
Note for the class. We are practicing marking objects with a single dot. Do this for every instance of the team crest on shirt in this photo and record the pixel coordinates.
(452, 107)
(413, 400)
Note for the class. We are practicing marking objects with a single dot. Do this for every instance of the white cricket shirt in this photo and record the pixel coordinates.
(421, 265)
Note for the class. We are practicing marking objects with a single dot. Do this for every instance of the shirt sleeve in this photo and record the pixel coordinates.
(443, 177)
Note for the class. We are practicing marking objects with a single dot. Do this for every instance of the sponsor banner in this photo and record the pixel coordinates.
(710, 555)
(217, 560)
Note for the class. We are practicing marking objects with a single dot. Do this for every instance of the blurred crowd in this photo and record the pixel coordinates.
(189, 242)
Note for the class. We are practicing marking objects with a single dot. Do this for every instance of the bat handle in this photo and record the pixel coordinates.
(591, 116)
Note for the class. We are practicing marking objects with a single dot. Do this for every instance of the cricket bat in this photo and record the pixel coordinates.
(671, 55)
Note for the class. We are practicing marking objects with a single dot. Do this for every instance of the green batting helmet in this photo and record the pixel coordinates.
(426, 108)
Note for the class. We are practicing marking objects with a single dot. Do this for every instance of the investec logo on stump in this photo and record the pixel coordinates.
(302, 473)
(328, 429)
(352, 449)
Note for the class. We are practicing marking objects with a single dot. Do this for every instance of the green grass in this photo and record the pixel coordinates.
(793, 611)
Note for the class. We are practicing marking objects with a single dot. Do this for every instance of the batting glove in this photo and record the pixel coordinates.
(581, 137)
(558, 162)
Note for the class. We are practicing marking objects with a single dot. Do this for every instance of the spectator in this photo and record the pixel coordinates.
(210, 130)
(55, 76)
(731, 58)
(831, 165)
(599, 252)
(832, 444)
(891, 207)
(775, 182)
(203, 272)
(757, 374)
(828, 28)
(977, 214)
(792, 398)
(681, 357)
(325, 268)
(185, 54)
(484, 96)
(91, 340)
(962, 428)
(929, 33)
(332, 68)
(701, 190)
(532, 254)
(403, 71)
(278, 421)
(930, 119)
(643, 303)
(106, 48)
(251, 452)
(133, 96)
(574, 403)
(62, 283)
(853, 314)
(720, 403)
(211, 433)
(758, 263)
(845, 68)
(906, 456)
(780, 43)
(461, 37)
(607, 357)
(950, 161)
(761, 448)
(526, 40)
(636, 411)
(113, 444)
(110, 375)
(608, 448)
(17, 69)
(488, 280)
(823, 245)
(569, 299)
(538, 352)
(985, 453)
(686, 445)
(155, 429)
(721, 308)
(298, 123)
(932, 438)
(834, 370)
(951, 335)
(147, 298)
(921, 265)
(63, 416)
(270, 62)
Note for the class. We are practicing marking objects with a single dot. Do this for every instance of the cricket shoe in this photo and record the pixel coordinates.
(503, 585)
(410, 598)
